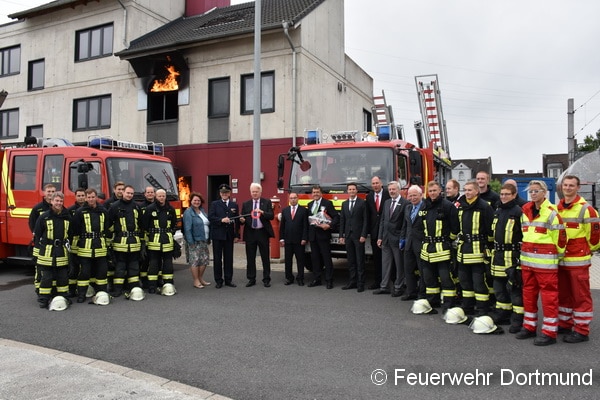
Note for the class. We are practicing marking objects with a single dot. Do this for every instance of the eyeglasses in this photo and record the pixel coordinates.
(534, 191)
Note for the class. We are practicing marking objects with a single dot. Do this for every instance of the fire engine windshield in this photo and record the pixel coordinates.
(141, 173)
(333, 167)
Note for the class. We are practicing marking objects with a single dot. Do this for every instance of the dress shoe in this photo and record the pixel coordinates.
(267, 284)
(329, 284)
(230, 284)
(349, 286)
(396, 293)
(219, 285)
(250, 283)
(575, 337)
(544, 340)
(314, 283)
(381, 291)
(408, 297)
(373, 286)
(288, 282)
(525, 334)
(360, 288)
(300, 282)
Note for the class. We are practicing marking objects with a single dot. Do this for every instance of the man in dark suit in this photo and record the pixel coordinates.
(319, 235)
(375, 200)
(388, 239)
(293, 236)
(353, 234)
(411, 241)
(223, 215)
(257, 231)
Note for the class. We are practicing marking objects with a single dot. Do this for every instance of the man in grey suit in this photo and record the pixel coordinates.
(411, 240)
(353, 234)
(390, 227)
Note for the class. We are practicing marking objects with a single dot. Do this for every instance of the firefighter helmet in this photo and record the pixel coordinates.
(90, 291)
(58, 303)
(421, 306)
(168, 289)
(101, 298)
(483, 324)
(454, 316)
(137, 294)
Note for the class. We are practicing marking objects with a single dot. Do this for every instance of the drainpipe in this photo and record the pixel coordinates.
(286, 25)
(124, 24)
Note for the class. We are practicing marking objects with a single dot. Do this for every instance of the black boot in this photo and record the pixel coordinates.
(43, 302)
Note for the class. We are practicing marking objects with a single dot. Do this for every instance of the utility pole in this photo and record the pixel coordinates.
(571, 130)
(257, 92)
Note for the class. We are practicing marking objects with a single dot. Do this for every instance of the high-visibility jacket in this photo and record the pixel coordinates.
(476, 236)
(544, 236)
(507, 237)
(159, 222)
(583, 232)
(90, 230)
(52, 234)
(124, 221)
(440, 227)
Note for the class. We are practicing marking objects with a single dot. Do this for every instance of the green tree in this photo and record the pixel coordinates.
(590, 143)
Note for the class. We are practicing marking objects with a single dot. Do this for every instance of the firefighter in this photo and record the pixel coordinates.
(124, 219)
(505, 269)
(575, 308)
(485, 191)
(117, 195)
(73, 259)
(90, 230)
(149, 196)
(52, 232)
(159, 222)
(475, 240)
(36, 211)
(440, 227)
(544, 241)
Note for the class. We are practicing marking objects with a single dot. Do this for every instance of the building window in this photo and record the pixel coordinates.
(92, 113)
(94, 43)
(267, 93)
(162, 106)
(36, 131)
(9, 123)
(10, 58)
(37, 72)
(218, 98)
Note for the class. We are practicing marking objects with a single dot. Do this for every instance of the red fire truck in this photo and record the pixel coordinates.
(98, 164)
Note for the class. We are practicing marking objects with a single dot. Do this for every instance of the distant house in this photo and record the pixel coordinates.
(554, 164)
(465, 170)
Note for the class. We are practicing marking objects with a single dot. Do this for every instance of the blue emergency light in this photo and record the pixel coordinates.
(384, 132)
(312, 136)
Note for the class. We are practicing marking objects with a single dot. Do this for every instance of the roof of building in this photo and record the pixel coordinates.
(48, 7)
(220, 23)
(475, 164)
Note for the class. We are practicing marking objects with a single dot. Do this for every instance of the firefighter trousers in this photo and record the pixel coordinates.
(48, 274)
(575, 307)
(475, 291)
(92, 269)
(544, 283)
(435, 274)
(126, 267)
(160, 261)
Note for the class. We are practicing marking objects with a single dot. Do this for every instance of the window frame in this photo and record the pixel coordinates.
(212, 113)
(246, 97)
(31, 74)
(99, 113)
(6, 62)
(7, 123)
(87, 35)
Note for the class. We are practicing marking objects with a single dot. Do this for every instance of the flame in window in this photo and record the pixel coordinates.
(167, 84)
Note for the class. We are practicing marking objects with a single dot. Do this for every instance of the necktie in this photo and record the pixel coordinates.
(351, 205)
(392, 206)
(315, 208)
(293, 211)
(413, 213)
(255, 220)
(377, 201)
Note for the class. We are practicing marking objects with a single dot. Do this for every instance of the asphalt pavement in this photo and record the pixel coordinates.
(330, 345)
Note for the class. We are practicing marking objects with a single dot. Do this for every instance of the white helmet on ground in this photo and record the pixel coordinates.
(58, 303)
(421, 306)
(168, 289)
(454, 316)
(90, 291)
(483, 324)
(101, 298)
(137, 294)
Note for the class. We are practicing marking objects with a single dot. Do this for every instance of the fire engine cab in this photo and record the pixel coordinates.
(97, 164)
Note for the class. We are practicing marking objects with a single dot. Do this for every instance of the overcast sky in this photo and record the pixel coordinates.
(505, 69)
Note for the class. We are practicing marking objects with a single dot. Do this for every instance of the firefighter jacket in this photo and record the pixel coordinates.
(159, 222)
(72, 210)
(52, 231)
(36, 211)
(507, 237)
(476, 237)
(544, 236)
(90, 231)
(440, 226)
(583, 232)
(124, 220)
